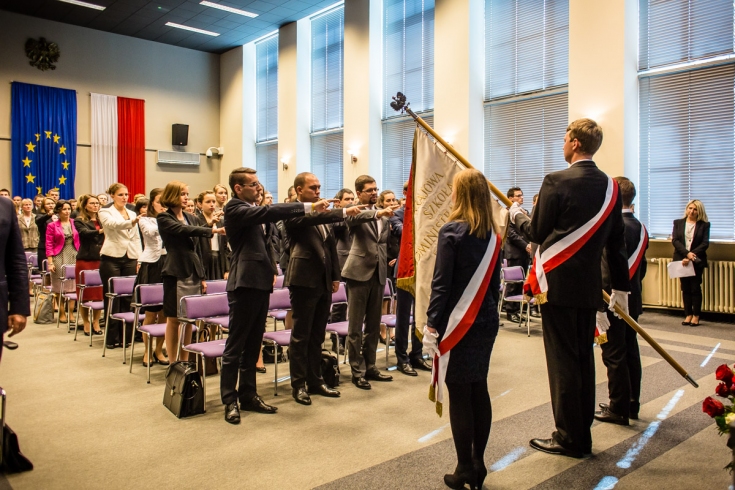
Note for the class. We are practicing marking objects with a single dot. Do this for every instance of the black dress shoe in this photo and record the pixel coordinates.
(112, 346)
(301, 396)
(258, 405)
(552, 447)
(260, 369)
(98, 332)
(375, 375)
(605, 415)
(323, 390)
(633, 415)
(361, 383)
(232, 413)
(162, 362)
(421, 364)
(458, 479)
(686, 323)
(406, 369)
(480, 471)
(86, 334)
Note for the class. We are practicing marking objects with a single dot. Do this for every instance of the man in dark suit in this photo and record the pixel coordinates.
(15, 304)
(313, 275)
(517, 251)
(365, 272)
(620, 353)
(579, 198)
(252, 275)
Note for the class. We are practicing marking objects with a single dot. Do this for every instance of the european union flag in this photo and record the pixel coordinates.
(43, 140)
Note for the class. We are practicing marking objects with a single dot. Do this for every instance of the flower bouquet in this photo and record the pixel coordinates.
(724, 415)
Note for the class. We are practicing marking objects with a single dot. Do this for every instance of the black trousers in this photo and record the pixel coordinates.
(515, 289)
(248, 311)
(470, 415)
(691, 294)
(116, 267)
(568, 337)
(364, 308)
(310, 308)
(406, 328)
(622, 358)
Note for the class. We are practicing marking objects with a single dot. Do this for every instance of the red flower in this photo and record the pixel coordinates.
(724, 373)
(723, 390)
(712, 407)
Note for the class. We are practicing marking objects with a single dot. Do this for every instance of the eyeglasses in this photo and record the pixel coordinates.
(370, 191)
(253, 184)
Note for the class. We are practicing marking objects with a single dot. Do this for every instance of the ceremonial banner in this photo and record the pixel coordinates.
(428, 206)
(43, 140)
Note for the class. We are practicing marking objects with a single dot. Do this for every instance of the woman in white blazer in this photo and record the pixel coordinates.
(120, 251)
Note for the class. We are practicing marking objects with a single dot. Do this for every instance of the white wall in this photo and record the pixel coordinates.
(179, 86)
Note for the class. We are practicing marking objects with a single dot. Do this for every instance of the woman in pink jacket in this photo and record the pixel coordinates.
(62, 243)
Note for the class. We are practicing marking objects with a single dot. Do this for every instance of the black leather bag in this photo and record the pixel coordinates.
(268, 354)
(13, 461)
(184, 395)
(330, 369)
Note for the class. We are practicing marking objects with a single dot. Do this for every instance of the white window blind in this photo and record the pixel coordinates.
(526, 46)
(524, 140)
(266, 161)
(397, 153)
(266, 83)
(675, 31)
(327, 56)
(327, 157)
(408, 53)
(686, 148)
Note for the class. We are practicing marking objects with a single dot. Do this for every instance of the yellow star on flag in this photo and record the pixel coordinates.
(66, 165)
(48, 135)
(38, 136)
(31, 147)
(62, 150)
(26, 162)
(30, 179)
(39, 189)
(62, 180)
(56, 138)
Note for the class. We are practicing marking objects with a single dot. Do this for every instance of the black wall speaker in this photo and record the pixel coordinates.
(179, 134)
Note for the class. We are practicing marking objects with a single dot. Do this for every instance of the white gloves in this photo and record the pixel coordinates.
(430, 342)
(514, 211)
(619, 298)
(603, 323)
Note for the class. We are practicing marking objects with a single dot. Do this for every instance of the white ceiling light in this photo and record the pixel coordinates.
(84, 4)
(228, 9)
(192, 29)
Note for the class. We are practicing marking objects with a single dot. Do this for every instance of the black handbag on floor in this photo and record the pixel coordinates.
(330, 369)
(13, 461)
(184, 395)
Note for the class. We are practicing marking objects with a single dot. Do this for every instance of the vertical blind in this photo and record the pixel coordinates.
(327, 73)
(397, 151)
(266, 157)
(526, 46)
(523, 141)
(686, 148)
(408, 53)
(675, 31)
(266, 86)
(327, 162)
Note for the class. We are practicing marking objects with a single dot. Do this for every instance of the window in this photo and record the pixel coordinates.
(408, 67)
(526, 73)
(266, 102)
(327, 94)
(687, 108)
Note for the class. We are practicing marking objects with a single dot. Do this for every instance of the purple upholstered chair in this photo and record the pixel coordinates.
(514, 275)
(278, 306)
(220, 314)
(120, 287)
(279, 283)
(148, 295)
(68, 273)
(89, 279)
(281, 338)
(217, 286)
(388, 320)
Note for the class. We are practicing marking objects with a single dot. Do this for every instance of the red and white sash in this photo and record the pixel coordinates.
(559, 252)
(635, 259)
(462, 317)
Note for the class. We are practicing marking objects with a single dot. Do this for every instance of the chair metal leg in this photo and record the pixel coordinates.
(90, 315)
(125, 344)
(107, 326)
(76, 330)
(204, 380)
(58, 315)
(132, 350)
(275, 367)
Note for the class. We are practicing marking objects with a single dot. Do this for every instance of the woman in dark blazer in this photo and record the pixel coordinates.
(462, 244)
(183, 271)
(214, 250)
(691, 240)
(91, 238)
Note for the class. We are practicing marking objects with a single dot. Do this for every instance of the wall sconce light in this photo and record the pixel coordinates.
(284, 162)
(353, 155)
(220, 151)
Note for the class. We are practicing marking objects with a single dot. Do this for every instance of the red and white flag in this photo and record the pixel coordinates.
(118, 143)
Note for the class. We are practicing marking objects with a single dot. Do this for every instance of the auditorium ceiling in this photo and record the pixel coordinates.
(147, 20)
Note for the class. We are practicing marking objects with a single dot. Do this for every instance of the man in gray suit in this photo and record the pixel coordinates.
(365, 272)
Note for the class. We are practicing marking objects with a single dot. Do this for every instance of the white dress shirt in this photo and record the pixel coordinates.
(153, 245)
(121, 235)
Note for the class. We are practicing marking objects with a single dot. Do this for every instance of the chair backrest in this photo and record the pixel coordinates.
(69, 271)
(28, 255)
(279, 282)
(514, 273)
(205, 306)
(217, 286)
(149, 294)
(341, 295)
(388, 290)
(33, 260)
(280, 300)
(90, 278)
(121, 286)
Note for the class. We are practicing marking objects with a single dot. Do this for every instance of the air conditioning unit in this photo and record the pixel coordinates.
(178, 158)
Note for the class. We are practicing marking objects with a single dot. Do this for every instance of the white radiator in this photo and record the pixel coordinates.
(718, 286)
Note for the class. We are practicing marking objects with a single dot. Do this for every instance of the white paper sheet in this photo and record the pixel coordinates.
(677, 269)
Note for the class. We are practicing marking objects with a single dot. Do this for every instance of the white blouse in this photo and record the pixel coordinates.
(121, 236)
(689, 234)
(153, 245)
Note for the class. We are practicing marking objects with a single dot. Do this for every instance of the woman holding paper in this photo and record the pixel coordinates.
(691, 240)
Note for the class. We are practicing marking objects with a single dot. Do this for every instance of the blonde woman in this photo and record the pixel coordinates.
(28, 227)
(222, 196)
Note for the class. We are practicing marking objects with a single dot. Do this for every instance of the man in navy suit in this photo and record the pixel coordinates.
(16, 304)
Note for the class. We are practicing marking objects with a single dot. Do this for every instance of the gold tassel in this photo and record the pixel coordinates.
(601, 339)
(439, 409)
(541, 298)
(432, 393)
